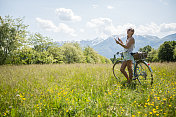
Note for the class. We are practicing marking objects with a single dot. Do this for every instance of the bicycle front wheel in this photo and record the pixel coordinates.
(143, 73)
(116, 71)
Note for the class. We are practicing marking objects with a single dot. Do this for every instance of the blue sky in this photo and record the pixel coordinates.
(88, 19)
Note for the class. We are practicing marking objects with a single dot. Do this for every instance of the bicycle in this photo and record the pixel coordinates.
(141, 69)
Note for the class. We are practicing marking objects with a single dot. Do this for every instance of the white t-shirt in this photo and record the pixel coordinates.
(130, 49)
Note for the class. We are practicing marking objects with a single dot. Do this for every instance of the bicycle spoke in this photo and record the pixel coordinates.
(143, 73)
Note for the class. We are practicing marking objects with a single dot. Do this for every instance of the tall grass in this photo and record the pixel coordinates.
(84, 90)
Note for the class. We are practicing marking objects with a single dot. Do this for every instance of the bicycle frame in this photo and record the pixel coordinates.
(134, 64)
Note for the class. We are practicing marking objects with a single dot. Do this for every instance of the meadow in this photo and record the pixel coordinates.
(84, 90)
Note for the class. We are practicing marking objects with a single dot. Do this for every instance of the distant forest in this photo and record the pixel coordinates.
(166, 52)
(19, 46)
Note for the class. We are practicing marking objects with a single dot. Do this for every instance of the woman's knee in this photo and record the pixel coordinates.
(124, 64)
(129, 65)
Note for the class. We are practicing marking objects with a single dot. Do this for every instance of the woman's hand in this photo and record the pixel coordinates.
(120, 40)
(117, 41)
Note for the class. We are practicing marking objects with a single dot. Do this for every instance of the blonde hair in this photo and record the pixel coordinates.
(131, 30)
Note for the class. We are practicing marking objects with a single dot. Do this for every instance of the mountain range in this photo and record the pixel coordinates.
(108, 47)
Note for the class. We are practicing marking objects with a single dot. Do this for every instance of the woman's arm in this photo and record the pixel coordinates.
(130, 42)
(120, 40)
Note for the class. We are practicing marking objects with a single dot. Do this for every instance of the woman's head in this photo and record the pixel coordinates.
(130, 31)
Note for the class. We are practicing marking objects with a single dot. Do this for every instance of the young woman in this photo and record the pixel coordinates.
(128, 58)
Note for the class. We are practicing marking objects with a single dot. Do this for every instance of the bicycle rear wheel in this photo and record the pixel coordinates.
(116, 71)
(143, 73)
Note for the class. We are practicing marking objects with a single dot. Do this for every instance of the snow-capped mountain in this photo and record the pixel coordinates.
(83, 43)
(108, 47)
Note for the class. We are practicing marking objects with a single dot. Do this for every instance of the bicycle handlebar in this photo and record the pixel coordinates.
(119, 52)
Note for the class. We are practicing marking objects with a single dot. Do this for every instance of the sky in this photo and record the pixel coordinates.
(67, 20)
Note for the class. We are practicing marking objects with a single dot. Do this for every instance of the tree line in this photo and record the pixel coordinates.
(19, 46)
(166, 52)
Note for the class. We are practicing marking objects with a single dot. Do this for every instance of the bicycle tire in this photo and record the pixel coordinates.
(144, 76)
(117, 71)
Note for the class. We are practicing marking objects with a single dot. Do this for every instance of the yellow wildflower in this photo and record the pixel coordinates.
(158, 98)
(154, 111)
(156, 107)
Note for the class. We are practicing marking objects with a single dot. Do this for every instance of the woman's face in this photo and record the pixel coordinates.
(129, 32)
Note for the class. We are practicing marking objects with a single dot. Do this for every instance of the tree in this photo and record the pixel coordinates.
(166, 51)
(24, 55)
(91, 55)
(174, 54)
(57, 53)
(12, 36)
(108, 60)
(104, 59)
(152, 56)
(72, 54)
(39, 42)
(17, 46)
(45, 49)
(146, 49)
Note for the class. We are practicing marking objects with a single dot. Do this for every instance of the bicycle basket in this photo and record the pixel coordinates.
(139, 55)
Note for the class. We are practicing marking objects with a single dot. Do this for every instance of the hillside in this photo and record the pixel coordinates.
(108, 47)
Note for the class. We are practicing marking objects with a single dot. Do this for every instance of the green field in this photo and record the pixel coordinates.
(84, 90)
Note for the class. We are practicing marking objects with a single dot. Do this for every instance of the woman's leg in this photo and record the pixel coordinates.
(130, 70)
(122, 69)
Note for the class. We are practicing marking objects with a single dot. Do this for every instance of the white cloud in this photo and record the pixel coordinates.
(50, 26)
(163, 2)
(102, 26)
(46, 24)
(149, 29)
(168, 27)
(67, 15)
(81, 30)
(66, 29)
(122, 29)
(110, 7)
(94, 6)
(158, 30)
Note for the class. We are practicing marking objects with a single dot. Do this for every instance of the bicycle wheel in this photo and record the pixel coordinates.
(143, 73)
(116, 71)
